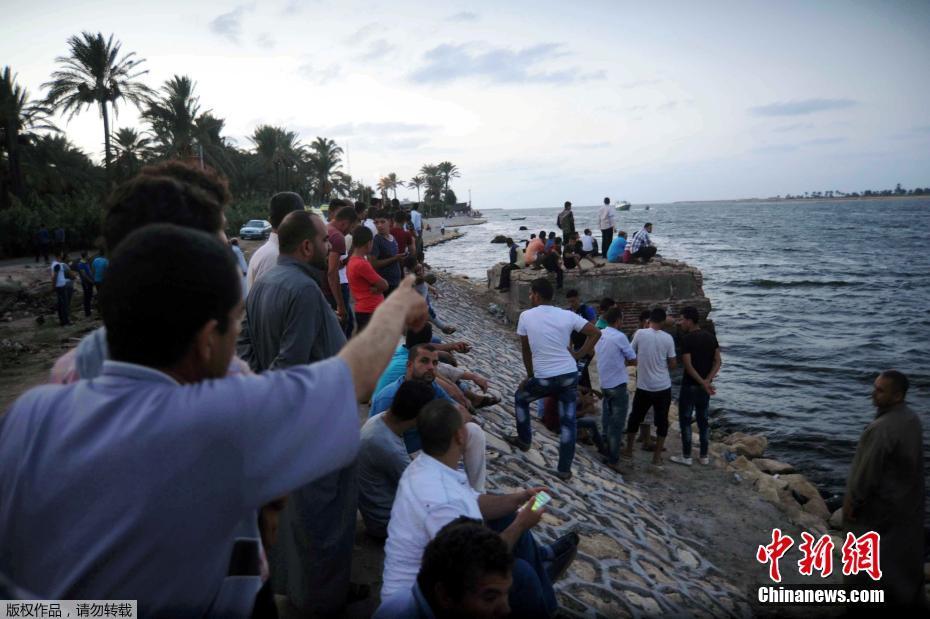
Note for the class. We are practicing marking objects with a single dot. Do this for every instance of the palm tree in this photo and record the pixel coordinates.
(94, 74)
(325, 158)
(19, 116)
(389, 183)
(342, 184)
(173, 117)
(132, 150)
(417, 181)
(279, 150)
(434, 184)
(448, 171)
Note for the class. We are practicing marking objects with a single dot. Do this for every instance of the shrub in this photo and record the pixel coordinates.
(80, 216)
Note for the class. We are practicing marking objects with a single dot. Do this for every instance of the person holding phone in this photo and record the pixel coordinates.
(432, 493)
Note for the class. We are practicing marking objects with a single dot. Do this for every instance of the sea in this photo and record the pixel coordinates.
(810, 300)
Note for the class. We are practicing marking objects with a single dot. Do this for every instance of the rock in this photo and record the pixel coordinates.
(745, 469)
(814, 503)
(749, 445)
(810, 523)
(500, 238)
(768, 487)
(836, 519)
(496, 443)
(773, 467)
(522, 228)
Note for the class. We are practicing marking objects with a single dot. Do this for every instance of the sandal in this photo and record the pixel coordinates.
(488, 400)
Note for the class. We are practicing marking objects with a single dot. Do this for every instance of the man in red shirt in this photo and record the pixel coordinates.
(366, 285)
(405, 239)
(335, 234)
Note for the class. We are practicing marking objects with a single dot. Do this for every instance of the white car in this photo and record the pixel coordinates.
(255, 229)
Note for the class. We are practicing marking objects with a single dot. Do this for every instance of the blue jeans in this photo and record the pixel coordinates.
(531, 594)
(614, 408)
(565, 388)
(693, 399)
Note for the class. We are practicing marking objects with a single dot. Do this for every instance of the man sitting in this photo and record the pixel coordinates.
(382, 455)
(617, 248)
(433, 493)
(467, 571)
(421, 365)
(641, 247)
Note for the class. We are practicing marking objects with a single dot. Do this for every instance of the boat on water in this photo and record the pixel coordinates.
(622, 205)
(517, 218)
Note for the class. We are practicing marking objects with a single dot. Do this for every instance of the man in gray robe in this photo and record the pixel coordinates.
(885, 493)
(288, 322)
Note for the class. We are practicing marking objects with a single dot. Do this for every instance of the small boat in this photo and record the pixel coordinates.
(622, 205)
(647, 207)
(517, 218)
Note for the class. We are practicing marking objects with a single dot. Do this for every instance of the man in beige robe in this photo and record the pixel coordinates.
(885, 493)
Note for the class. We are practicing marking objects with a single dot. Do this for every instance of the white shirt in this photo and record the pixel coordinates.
(417, 220)
(653, 349)
(605, 217)
(587, 242)
(430, 495)
(370, 224)
(549, 330)
(612, 350)
(343, 276)
(60, 279)
(264, 258)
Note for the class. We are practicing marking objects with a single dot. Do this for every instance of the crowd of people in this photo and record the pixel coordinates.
(203, 452)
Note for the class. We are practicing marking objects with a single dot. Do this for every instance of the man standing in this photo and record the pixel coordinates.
(337, 283)
(655, 354)
(614, 353)
(87, 283)
(641, 246)
(566, 221)
(416, 220)
(366, 285)
(99, 268)
(885, 493)
(288, 323)
(266, 256)
(61, 283)
(406, 241)
(606, 221)
(551, 370)
(700, 355)
(385, 256)
(43, 240)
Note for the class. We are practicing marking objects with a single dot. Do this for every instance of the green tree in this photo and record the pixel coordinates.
(173, 116)
(390, 183)
(93, 73)
(448, 171)
(325, 157)
(133, 149)
(19, 117)
(416, 181)
(280, 153)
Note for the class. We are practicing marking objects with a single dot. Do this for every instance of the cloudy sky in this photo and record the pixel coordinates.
(539, 101)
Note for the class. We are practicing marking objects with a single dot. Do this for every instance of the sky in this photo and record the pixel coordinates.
(538, 102)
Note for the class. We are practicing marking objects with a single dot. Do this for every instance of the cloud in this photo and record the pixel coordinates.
(293, 7)
(775, 149)
(320, 76)
(800, 108)
(265, 41)
(363, 33)
(463, 16)
(377, 49)
(668, 106)
(591, 145)
(399, 129)
(793, 127)
(229, 25)
(447, 63)
(824, 141)
(639, 83)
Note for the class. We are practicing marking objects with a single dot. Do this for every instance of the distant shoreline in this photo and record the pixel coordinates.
(836, 199)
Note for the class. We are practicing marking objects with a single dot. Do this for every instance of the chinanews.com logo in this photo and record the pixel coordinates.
(859, 555)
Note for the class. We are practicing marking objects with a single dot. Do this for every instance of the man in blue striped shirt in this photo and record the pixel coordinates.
(641, 246)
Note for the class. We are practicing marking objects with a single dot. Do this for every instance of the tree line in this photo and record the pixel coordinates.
(42, 174)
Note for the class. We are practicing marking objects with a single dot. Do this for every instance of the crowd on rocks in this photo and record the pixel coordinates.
(202, 451)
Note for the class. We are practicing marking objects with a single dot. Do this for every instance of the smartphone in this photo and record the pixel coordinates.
(541, 500)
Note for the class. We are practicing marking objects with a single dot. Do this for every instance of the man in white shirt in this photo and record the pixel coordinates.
(416, 220)
(655, 353)
(266, 256)
(61, 282)
(551, 370)
(433, 492)
(606, 221)
(614, 353)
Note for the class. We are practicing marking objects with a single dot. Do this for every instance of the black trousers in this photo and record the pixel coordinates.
(646, 253)
(607, 237)
(63, 295)
(88, 297)
(505, 275)
(551, 262)
(660, 401)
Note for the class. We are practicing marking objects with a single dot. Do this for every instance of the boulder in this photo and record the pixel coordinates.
(773, 467)
(768, 487)
(523, 228)
(745, 469)
(749, 445)
(810, 523)
(787, 502)
(836, 520)
(814, 503)
(500, 238)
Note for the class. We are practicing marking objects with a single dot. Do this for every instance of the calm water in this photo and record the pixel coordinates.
(810, 300)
